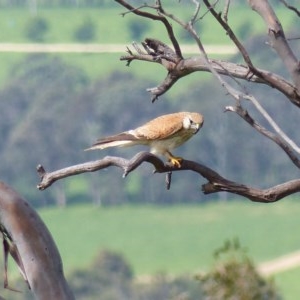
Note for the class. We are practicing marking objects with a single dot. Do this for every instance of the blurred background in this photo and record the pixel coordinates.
(62, 86)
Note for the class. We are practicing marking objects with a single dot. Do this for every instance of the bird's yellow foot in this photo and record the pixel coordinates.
(175, 161)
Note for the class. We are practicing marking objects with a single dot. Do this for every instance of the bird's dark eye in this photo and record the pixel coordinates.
(191, 121)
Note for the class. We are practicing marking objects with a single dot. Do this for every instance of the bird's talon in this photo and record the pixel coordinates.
(175, 161)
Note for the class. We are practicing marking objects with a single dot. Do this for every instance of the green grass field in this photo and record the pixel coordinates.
(288, 282)
(111, 27)
(176, 239)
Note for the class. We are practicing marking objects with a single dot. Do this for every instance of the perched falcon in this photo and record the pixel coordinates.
(161, 134)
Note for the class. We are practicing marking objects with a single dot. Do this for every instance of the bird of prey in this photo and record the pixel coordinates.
(161, 134)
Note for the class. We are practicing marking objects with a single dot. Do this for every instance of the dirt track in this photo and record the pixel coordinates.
(99, 48)
(280, 264)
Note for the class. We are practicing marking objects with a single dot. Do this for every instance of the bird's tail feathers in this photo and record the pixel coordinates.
(119, 140)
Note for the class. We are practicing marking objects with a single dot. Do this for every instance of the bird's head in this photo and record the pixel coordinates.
(193, 122)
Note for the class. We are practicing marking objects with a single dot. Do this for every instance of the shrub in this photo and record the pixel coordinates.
(235, 277)
(86, 31)
(36, 29)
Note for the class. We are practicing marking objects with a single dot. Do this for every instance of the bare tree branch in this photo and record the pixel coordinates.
(268, 77)
(226, 10)
(277, 38)
(293, 8)
(196, 13)
(175, 72)
(262, 130)
(198, 64)
(162, 19)
(216, 183)
(273, 124)
(182, 67)
(48, 179)
(283, 141)
(231, 35)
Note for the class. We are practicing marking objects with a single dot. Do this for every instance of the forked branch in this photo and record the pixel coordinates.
(277, 38)
(177, 66)
(198, 64)
(156, 17)
(215, 182)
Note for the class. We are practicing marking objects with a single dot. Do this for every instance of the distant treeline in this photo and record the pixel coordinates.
(55, 3)
(51, 111)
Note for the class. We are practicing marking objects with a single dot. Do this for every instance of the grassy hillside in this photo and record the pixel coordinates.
(175, 239)
(153, 238)
(111, 27)
(288, 282)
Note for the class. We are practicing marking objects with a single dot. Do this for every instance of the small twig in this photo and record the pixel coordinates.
(277, 39)
(293, 39)
(155, 17)
(273, 124)
(287, 144)
(196, 13)
(169, 30)
(207, 11)
(293, 8)
(226, 10)
(168, 180)
(231, 34)
(135, 9)
(262, 130)
(168, 82)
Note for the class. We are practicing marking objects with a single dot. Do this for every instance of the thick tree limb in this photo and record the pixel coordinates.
(31, 245)
(128, 166)
(216, 183)
(266, 77)
(176, 71)
(178, 67)
(198, 64)
(277, 38)
(186, 66)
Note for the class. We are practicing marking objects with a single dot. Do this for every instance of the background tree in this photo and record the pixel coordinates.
(86, 32)
(36, 29)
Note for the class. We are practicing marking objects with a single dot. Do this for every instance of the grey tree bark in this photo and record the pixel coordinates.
(27, 239)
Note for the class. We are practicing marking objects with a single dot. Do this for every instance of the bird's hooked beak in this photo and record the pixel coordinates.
(196, 127)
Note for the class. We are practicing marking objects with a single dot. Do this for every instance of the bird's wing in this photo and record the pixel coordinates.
(159, 128)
